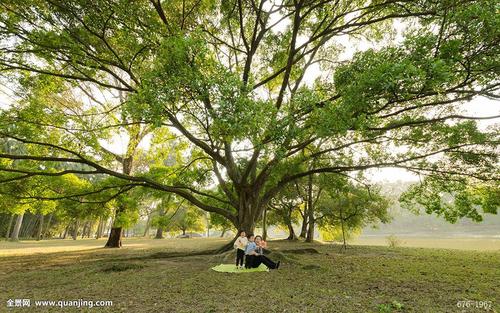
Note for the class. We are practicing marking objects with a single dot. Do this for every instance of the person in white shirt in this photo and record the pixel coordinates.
(240, 245)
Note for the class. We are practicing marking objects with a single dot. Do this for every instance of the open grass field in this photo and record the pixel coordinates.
(151, 276)
(462, 243)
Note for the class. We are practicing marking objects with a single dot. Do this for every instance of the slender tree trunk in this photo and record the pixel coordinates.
(84, 229)
(148, 225)
(27, 229)
(223, 233)
(17, 227)
(46, 233)
(33, 233)
(303, 230)
(11, 219)
(343, 228)
(159, 230)
(103, 228)
(264, 224)
(75, 230)
(310, 211)
(66, 232)
(291, 232)
(39, 234)
(100, 226)
(89, 229)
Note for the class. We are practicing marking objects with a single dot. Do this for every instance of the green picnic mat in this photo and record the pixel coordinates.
(231, 268)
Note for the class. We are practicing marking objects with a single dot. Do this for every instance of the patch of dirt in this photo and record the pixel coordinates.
(301, 251)
(121, 267)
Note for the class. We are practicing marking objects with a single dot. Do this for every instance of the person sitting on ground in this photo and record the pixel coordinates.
(240, 244)
(262, 243)
(255, 254)
(249, 248)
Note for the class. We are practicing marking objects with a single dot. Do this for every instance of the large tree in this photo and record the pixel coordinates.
(264, 92)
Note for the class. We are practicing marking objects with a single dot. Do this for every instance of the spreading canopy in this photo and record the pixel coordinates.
(262, 92)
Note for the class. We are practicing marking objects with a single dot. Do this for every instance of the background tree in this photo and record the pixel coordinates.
(347, 206)
(221, 223)
(189, 218)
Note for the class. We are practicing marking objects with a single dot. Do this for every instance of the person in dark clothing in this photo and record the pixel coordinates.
(255, 255)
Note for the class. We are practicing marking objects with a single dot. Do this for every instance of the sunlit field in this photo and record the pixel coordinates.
(463, 243)
(167, 275)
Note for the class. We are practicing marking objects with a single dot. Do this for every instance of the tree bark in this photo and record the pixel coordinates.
(17, 227)
(45, 233)
(159, 233)
(100, 226)
(291, 232)
(27, 227)
(343, 229)
(84, 230)
(65, 232)
(246, 223)
(39, 234)
(310, 211)
(223, 233)
(74, 234)
(264, 225)
(115, 235)
(11, 219)
(303, 230)
(115, 238)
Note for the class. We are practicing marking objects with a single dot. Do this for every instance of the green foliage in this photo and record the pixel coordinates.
(224, 90)
(354, 206)
(454, 199)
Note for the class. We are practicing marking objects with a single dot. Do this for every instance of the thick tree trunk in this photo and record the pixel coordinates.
(17, 227)
(11, 219)
(246, 224)
(310, 211)
(39, 233)
(116, 233)
(159, 233)
(115, 238)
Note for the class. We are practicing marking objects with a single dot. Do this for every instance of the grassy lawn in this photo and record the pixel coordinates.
(148, 276)
(461, 243)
